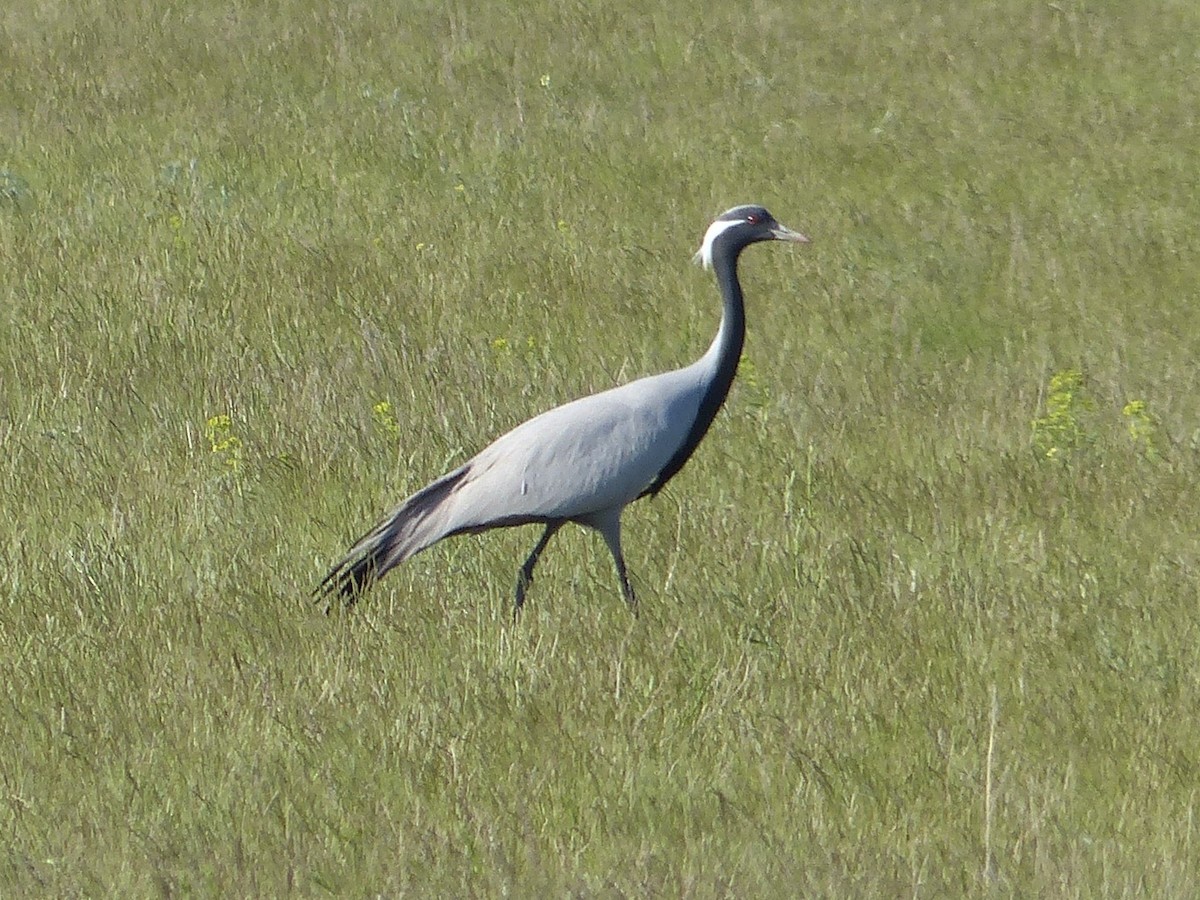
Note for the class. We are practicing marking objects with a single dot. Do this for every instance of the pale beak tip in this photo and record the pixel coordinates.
(786, 234)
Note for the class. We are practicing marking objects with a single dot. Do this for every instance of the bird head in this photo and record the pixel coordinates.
(739, 227)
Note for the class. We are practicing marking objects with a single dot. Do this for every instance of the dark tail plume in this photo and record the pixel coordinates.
(421, 520)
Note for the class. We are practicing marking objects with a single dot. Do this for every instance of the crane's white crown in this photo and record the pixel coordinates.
(704, 254)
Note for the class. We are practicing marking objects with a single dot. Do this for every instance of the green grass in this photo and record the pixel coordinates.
(891, 644)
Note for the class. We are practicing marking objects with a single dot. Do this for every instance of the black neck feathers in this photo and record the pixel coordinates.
(729, 342)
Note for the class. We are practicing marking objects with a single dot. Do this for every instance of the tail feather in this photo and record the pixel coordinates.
(420, 521)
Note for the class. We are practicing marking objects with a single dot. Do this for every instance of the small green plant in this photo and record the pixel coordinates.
(222, 442)
(756, 393)
(1066, 429)
(567, 233)
(506, 350)
(1060, 432)
(1142, 428)
(385, 419)
(175, 224)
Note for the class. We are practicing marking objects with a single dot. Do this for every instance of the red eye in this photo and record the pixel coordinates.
(752, 219)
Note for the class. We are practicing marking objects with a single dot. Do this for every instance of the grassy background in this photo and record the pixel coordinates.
(888, 646)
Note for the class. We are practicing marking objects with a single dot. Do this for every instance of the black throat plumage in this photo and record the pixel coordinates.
(731, 337)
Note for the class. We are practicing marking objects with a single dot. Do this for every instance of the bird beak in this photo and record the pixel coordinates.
(781, 233)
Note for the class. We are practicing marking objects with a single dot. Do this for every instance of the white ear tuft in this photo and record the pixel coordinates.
(704, 254)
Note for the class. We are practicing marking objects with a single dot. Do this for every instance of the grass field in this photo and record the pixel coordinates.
(921, 616)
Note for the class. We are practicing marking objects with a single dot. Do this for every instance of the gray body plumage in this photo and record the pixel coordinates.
(580, 462)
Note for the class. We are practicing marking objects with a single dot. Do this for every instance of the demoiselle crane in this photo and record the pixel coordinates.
(581, 462)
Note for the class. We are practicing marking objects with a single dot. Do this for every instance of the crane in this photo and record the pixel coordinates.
(581, 462)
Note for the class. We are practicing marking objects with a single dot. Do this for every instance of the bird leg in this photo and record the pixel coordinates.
(525, 576)
(626, 587)
(609, 526)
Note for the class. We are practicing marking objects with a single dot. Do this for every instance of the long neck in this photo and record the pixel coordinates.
(726, 349)
(719, 363)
